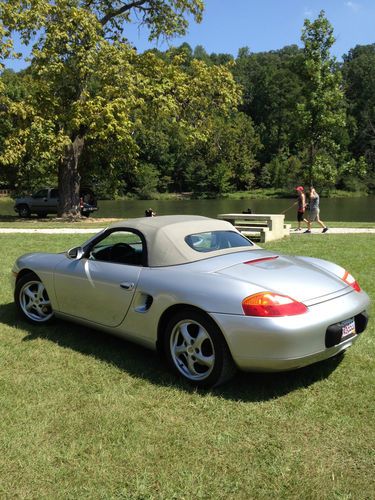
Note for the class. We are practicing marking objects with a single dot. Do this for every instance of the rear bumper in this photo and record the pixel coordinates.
(286, 343)
(280, 365)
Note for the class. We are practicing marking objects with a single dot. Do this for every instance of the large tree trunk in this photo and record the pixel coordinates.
(69, 180)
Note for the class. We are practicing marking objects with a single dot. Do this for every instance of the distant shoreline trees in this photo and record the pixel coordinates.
(186, 120)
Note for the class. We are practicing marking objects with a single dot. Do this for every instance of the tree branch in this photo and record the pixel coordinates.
(121, 10)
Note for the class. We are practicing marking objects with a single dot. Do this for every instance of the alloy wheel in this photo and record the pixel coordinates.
(34, 302)
(192, 350)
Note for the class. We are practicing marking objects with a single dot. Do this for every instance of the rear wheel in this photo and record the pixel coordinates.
(24, 211)
(32, 299)
(196, 350)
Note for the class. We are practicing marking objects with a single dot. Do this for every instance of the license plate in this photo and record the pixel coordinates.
(347, 328)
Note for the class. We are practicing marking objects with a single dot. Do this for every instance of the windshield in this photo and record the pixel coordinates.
(42, 193)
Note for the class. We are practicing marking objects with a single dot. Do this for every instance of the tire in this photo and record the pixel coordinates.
(32, 300)
(196, 349)
(24, 211)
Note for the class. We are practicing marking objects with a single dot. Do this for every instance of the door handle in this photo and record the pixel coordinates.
(127, 285)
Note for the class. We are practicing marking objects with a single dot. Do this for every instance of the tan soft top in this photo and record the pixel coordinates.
(165, 237)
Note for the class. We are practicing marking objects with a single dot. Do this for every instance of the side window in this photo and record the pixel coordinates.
(120, 247)
(216, 240)
(54, 193)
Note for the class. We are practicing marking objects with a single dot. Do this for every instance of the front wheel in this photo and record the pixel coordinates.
(24, 211)
(32, 300)
(195, 348)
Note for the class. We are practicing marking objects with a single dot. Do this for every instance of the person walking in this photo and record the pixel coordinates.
(301, 207)
(314, 211)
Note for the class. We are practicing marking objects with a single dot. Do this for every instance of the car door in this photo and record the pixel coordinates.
(40, 200)
(53, 201)
(100, 286)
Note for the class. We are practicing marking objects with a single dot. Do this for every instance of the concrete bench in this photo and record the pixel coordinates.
(269, 226)
(262, 231)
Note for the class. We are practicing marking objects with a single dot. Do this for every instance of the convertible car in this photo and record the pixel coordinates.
(207, 298)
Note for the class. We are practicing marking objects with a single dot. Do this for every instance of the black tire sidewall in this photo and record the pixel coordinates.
(24, 211)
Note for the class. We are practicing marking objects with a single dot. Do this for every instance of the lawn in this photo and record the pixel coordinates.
(87, 415)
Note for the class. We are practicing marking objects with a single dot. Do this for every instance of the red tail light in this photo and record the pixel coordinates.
(351, 281)
(268, 304)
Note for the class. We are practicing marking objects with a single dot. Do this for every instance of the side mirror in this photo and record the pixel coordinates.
(75, 253)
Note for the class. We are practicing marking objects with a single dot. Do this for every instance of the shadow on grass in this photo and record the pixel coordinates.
(17, 218)
(146, 364)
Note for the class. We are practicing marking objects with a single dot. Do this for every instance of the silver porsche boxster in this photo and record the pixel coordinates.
(197, 290)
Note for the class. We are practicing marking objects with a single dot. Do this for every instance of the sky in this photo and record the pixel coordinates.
(264, 25)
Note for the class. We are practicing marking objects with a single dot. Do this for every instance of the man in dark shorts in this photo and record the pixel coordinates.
(301, 207)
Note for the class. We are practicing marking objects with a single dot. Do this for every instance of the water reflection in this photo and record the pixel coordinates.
(345, 209)
(335, 209)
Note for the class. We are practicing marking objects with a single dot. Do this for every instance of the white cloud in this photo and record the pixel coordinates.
(353, 6)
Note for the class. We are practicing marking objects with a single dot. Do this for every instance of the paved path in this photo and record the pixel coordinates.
(336, 230)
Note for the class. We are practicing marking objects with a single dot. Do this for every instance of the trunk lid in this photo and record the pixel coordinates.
(286, 275)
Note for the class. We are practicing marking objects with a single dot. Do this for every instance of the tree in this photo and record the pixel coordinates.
(77, 40)
(226, 161)
(272, 88)
(322, 111)
(359, 80)
(170, 140)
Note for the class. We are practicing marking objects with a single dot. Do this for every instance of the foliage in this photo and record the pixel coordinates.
(359, 80)
(76, 43)
(146, 181)
(272, 88)
(322, 112)
(226, 161)
(283, 171)
(183, 119)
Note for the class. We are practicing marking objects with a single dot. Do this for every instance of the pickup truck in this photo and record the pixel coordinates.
(46, 201)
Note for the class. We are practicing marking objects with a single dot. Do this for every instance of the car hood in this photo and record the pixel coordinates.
(287, 275)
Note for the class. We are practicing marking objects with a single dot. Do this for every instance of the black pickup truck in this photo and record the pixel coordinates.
(46, 201)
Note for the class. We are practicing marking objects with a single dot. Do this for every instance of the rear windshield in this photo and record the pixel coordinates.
(216, 240)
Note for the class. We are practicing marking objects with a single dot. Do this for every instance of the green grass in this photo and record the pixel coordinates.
(35, 223)
(86, 415)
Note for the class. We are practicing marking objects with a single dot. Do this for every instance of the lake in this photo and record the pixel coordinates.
(336, 209)
(332, 209)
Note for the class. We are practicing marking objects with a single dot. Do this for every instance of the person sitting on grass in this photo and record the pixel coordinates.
(150, 213)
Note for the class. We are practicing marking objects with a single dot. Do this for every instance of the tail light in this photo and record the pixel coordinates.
(268, 304)
(351, 281)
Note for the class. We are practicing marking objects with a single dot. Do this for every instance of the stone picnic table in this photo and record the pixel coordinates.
(268, 226)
